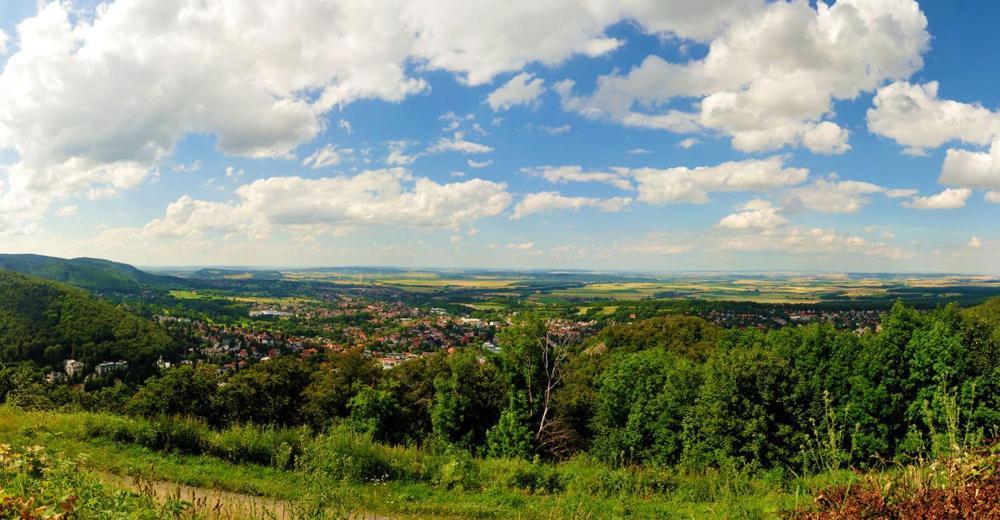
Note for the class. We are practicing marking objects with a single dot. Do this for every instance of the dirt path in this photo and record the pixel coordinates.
(216, 504)
(211, 503)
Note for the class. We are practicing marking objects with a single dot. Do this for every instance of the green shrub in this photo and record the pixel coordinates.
(457, 470)
(267, 446)
(180, 434)
(352, 456)
(588, 477)
(537, 478)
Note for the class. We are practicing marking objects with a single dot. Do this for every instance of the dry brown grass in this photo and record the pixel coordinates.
(965, 486)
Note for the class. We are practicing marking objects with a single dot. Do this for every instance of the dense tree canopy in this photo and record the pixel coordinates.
(47, 322)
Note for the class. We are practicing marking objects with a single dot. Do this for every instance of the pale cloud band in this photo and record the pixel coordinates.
(391, 197)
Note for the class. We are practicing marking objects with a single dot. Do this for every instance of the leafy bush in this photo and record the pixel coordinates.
(264, 445)
(180, 434)
(536, 478)
(345, 454)
(457, 470)
(248, 444)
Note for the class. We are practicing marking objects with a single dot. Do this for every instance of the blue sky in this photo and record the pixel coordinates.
(635, 135)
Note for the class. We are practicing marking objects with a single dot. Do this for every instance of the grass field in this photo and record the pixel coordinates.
(260, 300)
(478, 283)
(586, 490)
(736, 292)
(604, 310)
(185, 294)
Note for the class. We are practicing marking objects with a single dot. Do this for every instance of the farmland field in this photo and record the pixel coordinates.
(480, 288)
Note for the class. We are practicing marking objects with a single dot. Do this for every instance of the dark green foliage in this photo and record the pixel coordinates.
(902, 368)
(660, 392)
(467, 401)
(47, 323)
(185, 390)
(642, 401)
(684, 335)
(377, 413)
(332, 387)
(412, 384)
(744, 412)
(511, 437)
(270, 392)
(576, 397)
(987, 312)
(88, 273)
(520, 357)
(821, 362)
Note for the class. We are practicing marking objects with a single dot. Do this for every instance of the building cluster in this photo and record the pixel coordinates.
(73, 370)
(776, 317)
(390, 331)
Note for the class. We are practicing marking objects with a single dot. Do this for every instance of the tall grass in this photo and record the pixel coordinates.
(826, 447)
(345, 454)
(949, 422)
(246, 444)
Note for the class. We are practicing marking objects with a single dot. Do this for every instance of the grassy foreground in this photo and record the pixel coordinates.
(80, 465)
(457, 488)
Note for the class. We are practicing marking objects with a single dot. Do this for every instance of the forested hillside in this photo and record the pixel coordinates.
(988, 312)
(48, 322)
(89, 273)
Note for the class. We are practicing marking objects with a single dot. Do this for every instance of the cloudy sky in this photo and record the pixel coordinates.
(857, 135)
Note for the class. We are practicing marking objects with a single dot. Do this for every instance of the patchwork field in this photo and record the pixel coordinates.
(482, 289)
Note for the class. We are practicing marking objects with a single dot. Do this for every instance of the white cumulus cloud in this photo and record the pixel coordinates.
(617, 177)
(375, 197)
(458, 143)
(972, 169)
(914, 116)
(812, 241)
(693, 185)
(548, 201)
(96, 96)
(770, 76)
(839, 196)
(756, 214)
(479, 164)
(950, 198)
(522, 89)
(688, 143)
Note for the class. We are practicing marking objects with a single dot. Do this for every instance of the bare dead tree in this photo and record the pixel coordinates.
(555, 352)
(558, 439)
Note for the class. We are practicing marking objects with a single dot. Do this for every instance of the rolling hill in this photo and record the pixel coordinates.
(88, 273)
(48, 322)
(988, 311)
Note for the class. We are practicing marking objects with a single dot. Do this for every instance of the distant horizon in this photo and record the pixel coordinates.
(544, 269)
